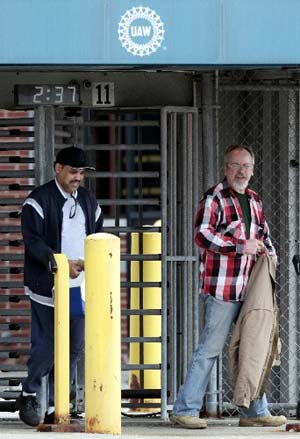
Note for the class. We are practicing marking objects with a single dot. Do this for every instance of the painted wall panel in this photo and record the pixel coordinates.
(265, 31)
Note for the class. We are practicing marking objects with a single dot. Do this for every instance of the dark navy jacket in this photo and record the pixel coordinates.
(41, 228)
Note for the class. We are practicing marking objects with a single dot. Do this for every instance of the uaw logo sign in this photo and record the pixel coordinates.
(141, 31)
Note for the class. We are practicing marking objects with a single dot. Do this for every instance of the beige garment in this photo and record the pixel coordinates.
(254, 341)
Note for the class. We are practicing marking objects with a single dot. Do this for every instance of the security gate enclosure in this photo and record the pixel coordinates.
(155, 154)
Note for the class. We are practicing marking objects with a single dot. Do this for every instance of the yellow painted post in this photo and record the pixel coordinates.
(152, 300)
(134, 327)
(61, 341)
(151, 244)
(102, 334)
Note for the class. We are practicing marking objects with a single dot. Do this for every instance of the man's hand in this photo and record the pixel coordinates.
(75, 267)
(254, 247)
(81, 263)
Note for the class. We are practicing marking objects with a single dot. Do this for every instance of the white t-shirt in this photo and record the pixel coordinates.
(73, 234)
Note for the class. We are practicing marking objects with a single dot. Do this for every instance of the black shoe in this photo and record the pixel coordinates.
(49, 419)
(29, 410)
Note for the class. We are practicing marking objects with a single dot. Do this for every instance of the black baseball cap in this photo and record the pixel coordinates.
(73, 156)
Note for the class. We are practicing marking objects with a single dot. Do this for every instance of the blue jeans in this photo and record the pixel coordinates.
(219, 317)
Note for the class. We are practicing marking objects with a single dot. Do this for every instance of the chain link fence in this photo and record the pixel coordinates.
(265, 114)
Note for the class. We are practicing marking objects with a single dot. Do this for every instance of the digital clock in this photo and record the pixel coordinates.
(46, 94)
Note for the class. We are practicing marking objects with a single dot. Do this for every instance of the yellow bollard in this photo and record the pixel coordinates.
(134, 326)
(152, 300)
(61, 341)
(151, 324)
(102, 334)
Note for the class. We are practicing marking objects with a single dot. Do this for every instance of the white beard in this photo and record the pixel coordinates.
(238, 187)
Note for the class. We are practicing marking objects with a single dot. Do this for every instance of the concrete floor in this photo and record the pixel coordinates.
(146, 428)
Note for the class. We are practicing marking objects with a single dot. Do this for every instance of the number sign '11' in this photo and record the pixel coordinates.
(103, 94)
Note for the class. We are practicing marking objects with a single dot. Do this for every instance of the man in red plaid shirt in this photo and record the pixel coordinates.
(230, 229)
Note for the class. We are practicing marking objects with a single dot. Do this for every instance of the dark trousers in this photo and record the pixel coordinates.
(41, 361)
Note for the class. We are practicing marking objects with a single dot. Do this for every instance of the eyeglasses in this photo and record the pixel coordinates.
(73, 209)
(236, 166)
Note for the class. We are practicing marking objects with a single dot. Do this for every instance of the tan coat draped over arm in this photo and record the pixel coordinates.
(254, 342)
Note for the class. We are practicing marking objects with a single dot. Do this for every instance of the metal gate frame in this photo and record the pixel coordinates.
(184, 149)
(269, 118)
(180, 168)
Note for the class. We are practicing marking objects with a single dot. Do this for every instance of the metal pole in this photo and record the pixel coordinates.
(61, 341)
(44, 144)
(103, 334)
(210, 177)
(164, 230)
(152, 300)
(208, 134)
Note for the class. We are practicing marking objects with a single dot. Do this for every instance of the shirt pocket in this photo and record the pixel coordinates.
(233, 229)
(259, 231)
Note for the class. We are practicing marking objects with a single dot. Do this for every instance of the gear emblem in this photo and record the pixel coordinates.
(141, 31)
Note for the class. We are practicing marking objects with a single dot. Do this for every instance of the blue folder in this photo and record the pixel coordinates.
(77, 305)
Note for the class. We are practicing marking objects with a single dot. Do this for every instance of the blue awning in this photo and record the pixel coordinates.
(152, 32)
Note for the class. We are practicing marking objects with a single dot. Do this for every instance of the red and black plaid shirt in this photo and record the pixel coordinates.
(220, 232)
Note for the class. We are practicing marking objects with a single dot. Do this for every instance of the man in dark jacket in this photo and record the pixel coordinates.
(52, 216)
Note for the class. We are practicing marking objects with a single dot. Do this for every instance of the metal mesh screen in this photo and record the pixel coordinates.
(265, 114)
